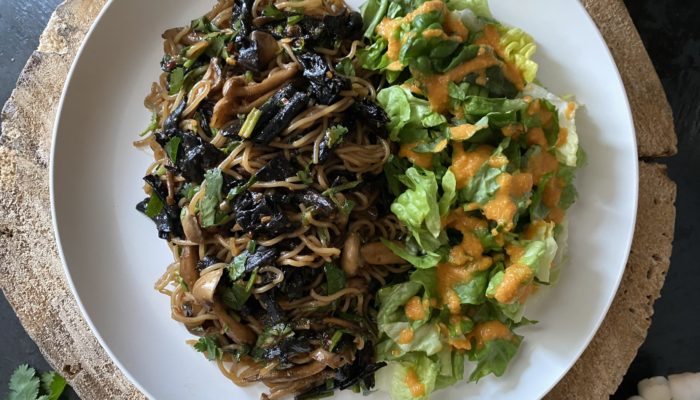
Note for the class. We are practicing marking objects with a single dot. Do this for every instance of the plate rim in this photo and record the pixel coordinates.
(59, 246)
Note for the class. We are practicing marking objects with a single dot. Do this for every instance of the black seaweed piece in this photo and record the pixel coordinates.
(370, 113)
(168, 220)
(274, 314)
(173, 119)
(277, 169)
(318, 32)
(296, 104)
(242, 18)
(261, 216)
(325, 84)
(261, 257)
(288, 347)
(273, 105)
(344, 26)
(311, 198)
(195, 156)
(207, 261)
(231, 129)
(296, 279)
(205, 111)
(347, 376)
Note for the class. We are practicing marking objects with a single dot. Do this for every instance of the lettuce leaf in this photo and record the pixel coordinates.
(519, 47)
(568, 153)
(473, 291)
(408, 115)
(427, 260)
(544, 234)
(493, 357)
(417, 207)
(449, 192)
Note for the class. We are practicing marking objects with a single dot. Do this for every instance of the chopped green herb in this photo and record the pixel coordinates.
(335, 278)
(176, 80)
(209, 206)
(154, 206)
(152, 126)
(271, 11)
(172, 147)
(294, 19)
(209, 345)
(249, 124)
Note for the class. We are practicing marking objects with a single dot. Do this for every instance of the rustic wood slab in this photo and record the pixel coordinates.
(32, 278)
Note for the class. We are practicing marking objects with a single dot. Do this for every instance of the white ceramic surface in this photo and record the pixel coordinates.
(113, 257)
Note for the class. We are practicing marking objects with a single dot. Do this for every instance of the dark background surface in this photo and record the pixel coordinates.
(671, 33)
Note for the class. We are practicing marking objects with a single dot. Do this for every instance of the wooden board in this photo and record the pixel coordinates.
(32, 278)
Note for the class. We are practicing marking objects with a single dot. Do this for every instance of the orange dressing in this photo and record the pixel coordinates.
(562, 137)
(462, 132)
(551, 197)
(489, 330)
(540, 164)
(414, 309)
(436, 85)
(512, 130)
(510, 71)
(406, 336)
(465, 164)
(502, 208)
(423, 160)
(515, 281)
(415, 386)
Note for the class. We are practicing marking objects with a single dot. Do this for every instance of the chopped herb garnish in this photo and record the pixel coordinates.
(209, 345)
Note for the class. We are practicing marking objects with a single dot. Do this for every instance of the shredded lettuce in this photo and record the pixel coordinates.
(519, 47)
(568, 153)
(417, 207)
(493, 357)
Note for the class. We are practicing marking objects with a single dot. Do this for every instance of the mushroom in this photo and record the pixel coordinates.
(190, 226)
(188, 265)
(350, 258)
(376, 253)
(204, 288)
(238, 332)
(267, 46)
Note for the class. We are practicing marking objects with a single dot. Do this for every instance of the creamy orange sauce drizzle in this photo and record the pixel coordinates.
(510, 71)
(423, 160)
(415, 386)
(465, 164)
(415, 309)
(406, 336)
(465, 258)
(436, 85)
(502, 207)
(462, 132)
(489, 330)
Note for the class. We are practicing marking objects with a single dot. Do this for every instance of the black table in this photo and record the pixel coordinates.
(671, 33)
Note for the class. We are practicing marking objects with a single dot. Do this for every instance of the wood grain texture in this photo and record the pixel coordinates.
(33, 281)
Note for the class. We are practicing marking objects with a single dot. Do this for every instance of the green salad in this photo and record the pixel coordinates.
(483, 178)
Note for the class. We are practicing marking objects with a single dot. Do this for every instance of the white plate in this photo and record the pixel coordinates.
(113, 257)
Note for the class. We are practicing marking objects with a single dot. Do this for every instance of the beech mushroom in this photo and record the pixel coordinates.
(204, 288)
(350, 258)
(376, 253)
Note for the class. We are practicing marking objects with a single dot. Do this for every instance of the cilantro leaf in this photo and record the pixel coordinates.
(335, 278)
(210, 345)
(210, 215)
(24, 385)
(153, 125)
(176, 80)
